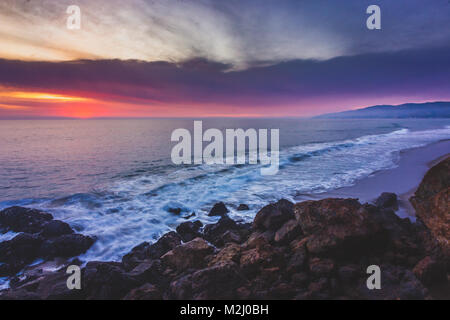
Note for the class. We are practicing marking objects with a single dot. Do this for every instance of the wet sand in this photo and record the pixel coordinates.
(402, 180)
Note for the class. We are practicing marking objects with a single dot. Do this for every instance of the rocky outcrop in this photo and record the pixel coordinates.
(337, 226)
(432, 204)
(41, 237)
(309, 250)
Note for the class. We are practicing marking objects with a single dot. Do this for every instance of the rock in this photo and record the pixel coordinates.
(56, 228)
(145, 292)
(297, 260)
(149, 271)
(342, 226)
(289, 231)
(274, 215)
(387, 200)
(231, 236)
(282, 291)
(260, 238)
(300, 279)
(318, 289)
(400, 236)
(243, 207)
(231, 253)
(188, 255)
(189, 230)
(43, 237)
(397, 283)
(46, 285)
(321, 267)
(18, 252)
(349, 273)
(435, 180)
(106, 281)
(189, 216)
(263, 256)
(176, 211)
(431, 201)
(429, 271)
(214, 232)
(219, 282)
(146, 251)
(219, 209)
(20, 219)
(68, 245)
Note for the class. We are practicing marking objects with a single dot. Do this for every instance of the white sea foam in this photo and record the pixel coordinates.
(7, 236)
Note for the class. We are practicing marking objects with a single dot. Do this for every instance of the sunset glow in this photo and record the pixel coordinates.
(38, 97)
(208, 59)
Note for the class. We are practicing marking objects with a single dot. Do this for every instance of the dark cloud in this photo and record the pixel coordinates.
(399, 73)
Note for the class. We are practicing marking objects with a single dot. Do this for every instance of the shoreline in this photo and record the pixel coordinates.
(301, 251)
(402, 180)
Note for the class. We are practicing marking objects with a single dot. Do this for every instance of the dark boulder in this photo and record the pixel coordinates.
(219, 209)
(342, 226)
(150, 271)
(145, 292)
(387, 200)
(20, 219)
(19, 252)
(146, 251)
(188, 255)
(349, 273)
(175, 211)
(321, 267)
(243, 207)
(226, 230)
(68, 245)
(106, 281)
(430, 271)
(213, 232)
(216, 282)
(41, 284)
(56, 228)
(288, 232)
(397, 283)
(274, 215)
(189, 230)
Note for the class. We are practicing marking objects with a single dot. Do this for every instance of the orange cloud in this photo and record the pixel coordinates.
(38, 97)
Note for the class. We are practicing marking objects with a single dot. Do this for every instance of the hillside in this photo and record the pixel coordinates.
(408, 110)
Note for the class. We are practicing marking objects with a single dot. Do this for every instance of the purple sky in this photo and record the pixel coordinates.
(216, 58)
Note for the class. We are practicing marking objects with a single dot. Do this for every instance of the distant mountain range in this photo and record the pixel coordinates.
(408, 110)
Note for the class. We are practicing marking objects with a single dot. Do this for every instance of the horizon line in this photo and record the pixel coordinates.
(217, 117)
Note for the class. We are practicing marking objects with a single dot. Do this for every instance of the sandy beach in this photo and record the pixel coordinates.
(402, 180)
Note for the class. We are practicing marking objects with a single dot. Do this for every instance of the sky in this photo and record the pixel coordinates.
(234, 58)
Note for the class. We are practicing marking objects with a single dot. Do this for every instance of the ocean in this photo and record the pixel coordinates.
(114, 178)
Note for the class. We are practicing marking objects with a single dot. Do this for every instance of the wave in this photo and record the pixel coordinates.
(142, 207)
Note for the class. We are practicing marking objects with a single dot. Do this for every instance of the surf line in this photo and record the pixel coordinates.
(235, 145)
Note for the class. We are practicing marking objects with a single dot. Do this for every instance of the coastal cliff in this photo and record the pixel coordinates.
(309, 250)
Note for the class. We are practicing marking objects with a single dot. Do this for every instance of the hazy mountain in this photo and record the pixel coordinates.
(408, 110)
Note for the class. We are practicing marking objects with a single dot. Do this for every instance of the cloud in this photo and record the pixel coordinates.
(240, 33)
(296, 87)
